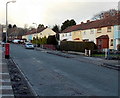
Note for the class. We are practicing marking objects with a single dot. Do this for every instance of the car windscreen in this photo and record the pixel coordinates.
(28, 44)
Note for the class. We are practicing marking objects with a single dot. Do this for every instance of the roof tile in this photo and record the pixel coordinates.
(109, 21)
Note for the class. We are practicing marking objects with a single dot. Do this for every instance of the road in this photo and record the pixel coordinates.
(52, 75)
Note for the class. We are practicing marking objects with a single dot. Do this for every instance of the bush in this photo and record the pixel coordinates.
(52, 40)
(118, 47)
(77, 46)
(39, 41)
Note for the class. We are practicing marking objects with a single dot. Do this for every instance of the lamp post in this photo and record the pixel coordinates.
(7, 16)
(36, 33)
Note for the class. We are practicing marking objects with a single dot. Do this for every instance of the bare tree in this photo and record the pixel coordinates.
(104, 14)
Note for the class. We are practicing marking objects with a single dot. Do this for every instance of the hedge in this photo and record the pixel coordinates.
(77, 46)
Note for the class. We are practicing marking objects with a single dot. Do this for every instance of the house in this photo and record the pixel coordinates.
(45, 32)
(81, 32)
(70, 34)
(0, 32)
(105, 32)
(102, 32)
(41, 32)
(116, 36)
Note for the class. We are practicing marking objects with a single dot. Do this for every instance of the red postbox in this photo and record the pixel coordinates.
(7, 50)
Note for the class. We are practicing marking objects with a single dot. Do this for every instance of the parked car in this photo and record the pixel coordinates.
(2, 43)
(29, 46)
(16, 41)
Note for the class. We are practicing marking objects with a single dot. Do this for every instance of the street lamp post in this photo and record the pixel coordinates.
(7, 16)
(36, 33)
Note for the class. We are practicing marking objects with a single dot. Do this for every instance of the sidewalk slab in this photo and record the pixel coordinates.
(5, 82)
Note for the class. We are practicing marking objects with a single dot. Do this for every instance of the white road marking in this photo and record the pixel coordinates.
(5, 87)
(4, 73)
(4, 80)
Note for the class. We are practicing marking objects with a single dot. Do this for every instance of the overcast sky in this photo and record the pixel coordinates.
(51, 12)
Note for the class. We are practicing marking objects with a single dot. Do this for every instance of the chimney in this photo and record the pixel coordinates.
(88, 21)
(82, 22)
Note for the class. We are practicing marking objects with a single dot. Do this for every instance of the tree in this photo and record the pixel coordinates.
(52, 40)
(9, 30)
(14, 26)
(34, 40)
(67, 23)
(12, 31)
(57, 30)
(104, 14)
(25, 26)
(9, 26)
(44, 40)
(40, 26)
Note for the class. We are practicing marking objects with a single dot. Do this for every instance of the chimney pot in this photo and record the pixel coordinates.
(82, 22)
(88, 21)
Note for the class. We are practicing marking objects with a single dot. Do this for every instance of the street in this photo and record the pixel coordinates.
(52, 75)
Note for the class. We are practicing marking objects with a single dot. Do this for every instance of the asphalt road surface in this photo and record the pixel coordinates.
(52, 75)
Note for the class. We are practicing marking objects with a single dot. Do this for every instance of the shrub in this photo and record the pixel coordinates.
(52, 40)
(118, 47)
(77, 46)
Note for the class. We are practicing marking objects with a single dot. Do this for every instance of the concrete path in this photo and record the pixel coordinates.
(5, 83)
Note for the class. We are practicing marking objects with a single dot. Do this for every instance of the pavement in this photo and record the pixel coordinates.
(113, 64)
(6, 90)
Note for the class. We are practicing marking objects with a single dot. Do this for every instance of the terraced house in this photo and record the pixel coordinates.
(105, 33)
(41, 32)
(72, 33)
(0, 32)
(116, 36)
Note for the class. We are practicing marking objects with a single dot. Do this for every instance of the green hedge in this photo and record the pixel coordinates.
(77, 46)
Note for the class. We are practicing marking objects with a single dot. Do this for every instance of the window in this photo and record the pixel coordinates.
(66, 34)
(84, 32)
(86, 40)
(79, 33)
(109, 29)
(70, 34)
(99, 42)
(63, 35)
(99, 30)
(119, 28)
(91, 31)
(111, 42)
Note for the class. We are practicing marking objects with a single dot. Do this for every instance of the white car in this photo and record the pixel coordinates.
(29, 46)
(16, 41)
(2, 43)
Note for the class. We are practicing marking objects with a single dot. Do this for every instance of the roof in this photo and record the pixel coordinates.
(103, 37)
(70, 29)
(33, 31)
(109, 21)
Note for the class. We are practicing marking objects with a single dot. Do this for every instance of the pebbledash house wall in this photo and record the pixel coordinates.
(0, 32)
(67, 36)
(116, 36)
(89, 34)
(77, 35)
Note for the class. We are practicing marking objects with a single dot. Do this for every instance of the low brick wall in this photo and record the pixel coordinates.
(52, 47)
